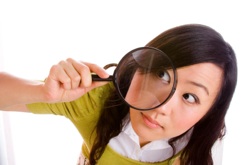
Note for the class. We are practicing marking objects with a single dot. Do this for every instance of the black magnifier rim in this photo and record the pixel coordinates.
(97, 78)
(114, 77)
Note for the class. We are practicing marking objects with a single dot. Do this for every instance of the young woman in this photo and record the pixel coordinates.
(182, 130)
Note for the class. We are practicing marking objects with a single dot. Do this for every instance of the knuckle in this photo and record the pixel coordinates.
(54, 68)
(62, 62)
(84, 69)
(69, 60)
(76, 78)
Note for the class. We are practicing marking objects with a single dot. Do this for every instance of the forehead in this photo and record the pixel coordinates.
(206, 74)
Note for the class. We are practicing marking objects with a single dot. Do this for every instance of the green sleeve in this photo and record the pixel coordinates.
(83, 112)
(87, 104)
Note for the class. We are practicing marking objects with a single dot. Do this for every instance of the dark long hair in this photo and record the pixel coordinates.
(185, 45)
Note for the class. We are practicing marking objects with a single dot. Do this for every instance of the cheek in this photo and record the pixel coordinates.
(183, 125)
(136, 122)
(189, 119)
(135, 118)
(139, 95)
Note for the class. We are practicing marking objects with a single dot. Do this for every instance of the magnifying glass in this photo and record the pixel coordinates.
(145, 78)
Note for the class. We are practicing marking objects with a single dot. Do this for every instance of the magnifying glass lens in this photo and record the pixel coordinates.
(145, 78)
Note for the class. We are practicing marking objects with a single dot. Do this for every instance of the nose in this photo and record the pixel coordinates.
(168, 107)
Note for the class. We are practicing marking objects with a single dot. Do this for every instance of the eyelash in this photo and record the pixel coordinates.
(196, 99)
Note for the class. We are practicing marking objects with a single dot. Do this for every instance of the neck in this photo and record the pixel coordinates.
(143, 142)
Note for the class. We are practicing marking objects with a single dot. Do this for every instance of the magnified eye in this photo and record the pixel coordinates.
(163, 75)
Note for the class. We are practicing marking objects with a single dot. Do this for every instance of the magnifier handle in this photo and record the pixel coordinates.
(97, 78)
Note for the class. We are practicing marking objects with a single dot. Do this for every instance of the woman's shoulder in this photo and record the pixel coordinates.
(92, 102)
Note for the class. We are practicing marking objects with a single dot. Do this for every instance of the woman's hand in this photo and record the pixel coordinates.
(70, 79)
(67, 81)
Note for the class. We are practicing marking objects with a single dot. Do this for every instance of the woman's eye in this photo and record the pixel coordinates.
(190, 98)
(164, 75)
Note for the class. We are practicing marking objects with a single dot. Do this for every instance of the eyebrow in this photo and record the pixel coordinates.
(201, 86)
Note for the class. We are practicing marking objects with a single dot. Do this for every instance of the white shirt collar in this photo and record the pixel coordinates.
(127, 144)
(154, 145)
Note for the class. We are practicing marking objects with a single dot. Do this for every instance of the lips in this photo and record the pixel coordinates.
(150, 122)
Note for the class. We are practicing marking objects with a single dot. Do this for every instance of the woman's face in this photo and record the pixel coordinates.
(197, 88)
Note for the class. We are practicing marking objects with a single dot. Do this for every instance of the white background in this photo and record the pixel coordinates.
(34, 35)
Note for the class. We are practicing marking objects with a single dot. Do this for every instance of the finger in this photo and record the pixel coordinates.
(83, 71)
(97, 69)
(58, 74)
(100, 72)
(72, 73)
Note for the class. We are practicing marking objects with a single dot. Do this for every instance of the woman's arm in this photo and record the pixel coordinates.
(15, 92)
(67, 81)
